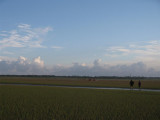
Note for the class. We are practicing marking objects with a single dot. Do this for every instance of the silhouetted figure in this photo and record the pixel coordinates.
(139, 84)
(131, 83)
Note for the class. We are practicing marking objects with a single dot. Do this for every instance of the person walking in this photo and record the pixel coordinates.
(139, 84)
(131, 84)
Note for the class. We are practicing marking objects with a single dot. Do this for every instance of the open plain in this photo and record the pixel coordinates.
(58, 103)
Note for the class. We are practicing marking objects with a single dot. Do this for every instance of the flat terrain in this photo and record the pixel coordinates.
(49, 103)
(58, 103)
(73, 81)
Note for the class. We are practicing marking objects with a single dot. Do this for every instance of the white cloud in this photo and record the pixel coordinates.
(39, 61)
(5, 58)
(118, 49)
(136, 69)
(22, 60)
(97, 62)
(3, 35)
(24, 26)
(57, 47)
(23, 36)
(147, 52)
(45, 30)
(24, 66)
(7, 52)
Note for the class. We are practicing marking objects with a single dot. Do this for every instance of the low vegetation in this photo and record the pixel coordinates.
(152, 83)
(49, 103)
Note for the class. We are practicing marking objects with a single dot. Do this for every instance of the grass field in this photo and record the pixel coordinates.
(48, 103)
(101, 82)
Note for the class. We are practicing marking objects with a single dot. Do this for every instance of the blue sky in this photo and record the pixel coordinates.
(62, 33)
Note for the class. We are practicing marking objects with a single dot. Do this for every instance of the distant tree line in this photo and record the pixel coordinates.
(99, 77)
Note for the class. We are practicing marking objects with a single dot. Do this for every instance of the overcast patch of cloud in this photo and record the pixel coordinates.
(136, 69)
(23, 36)
(23, 66)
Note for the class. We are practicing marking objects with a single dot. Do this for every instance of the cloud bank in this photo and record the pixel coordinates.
(23, 66)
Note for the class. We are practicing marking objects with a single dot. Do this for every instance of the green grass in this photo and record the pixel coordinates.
(49, 103)
(146, 83)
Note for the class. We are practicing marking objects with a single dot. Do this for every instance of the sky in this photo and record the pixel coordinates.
(80, 37)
